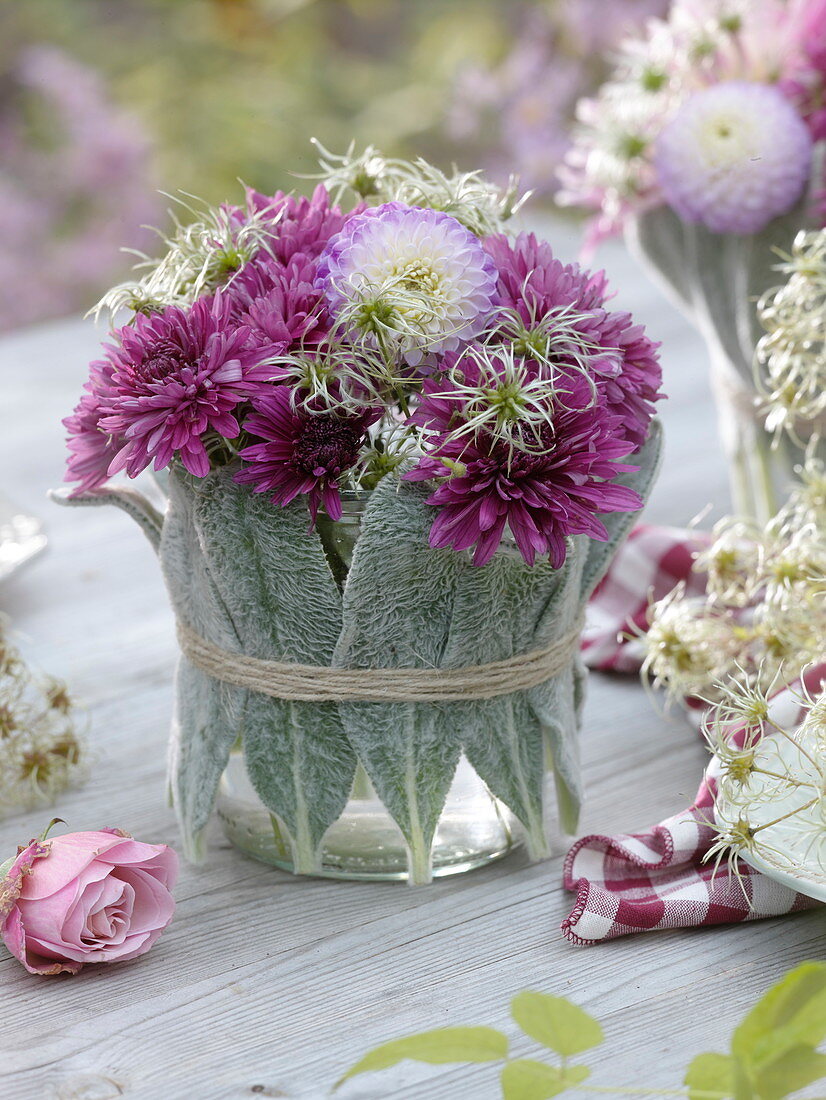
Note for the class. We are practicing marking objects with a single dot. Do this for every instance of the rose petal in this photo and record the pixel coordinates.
(69, 855)
(44, 916)
(15, 878)
(135, 851)
(14, 937)
(71, 928)
(154, 905)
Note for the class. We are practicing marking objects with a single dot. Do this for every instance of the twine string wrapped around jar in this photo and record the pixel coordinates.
(318, 683)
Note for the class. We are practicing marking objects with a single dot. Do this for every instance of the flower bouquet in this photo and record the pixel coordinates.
(401, 448)
(706, 148)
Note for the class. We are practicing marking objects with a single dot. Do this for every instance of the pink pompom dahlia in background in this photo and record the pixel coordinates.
(733, 157)
(712, 110)
(93, 897)
(311, 350)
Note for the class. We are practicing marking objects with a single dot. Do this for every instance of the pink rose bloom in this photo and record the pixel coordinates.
(86, 898)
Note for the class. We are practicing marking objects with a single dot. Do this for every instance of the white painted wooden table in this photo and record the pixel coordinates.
(271, 985)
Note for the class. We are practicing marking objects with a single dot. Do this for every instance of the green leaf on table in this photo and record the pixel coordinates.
(710, 1073)
(525, 1079)
(444, 1045)
(795, 1069)
(556, 1022)
(791, 1014)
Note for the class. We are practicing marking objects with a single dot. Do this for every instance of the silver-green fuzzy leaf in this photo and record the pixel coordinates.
(273, 578)
(496, 612)
(208, 713)
(600, 554)
(398, 606)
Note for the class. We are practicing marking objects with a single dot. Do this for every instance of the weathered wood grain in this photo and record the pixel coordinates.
(267, 985)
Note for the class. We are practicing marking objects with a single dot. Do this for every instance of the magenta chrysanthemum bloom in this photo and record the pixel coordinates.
(280, 302)
(541, 497)
(174, 377)
(804, 74)
(409, 276)
(91, 448)
(301, 225)
(733, 157)
(559, 310)
(302, 452)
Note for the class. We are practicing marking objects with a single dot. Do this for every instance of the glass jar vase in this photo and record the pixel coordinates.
(315, 657)
(365, 843)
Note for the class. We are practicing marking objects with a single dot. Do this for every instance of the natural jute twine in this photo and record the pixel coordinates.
(320, 684)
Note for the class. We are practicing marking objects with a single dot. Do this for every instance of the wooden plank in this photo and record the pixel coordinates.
(270, 985)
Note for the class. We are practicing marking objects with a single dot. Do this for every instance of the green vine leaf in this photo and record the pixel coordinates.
(525, 1079)
(444, 1045)
(710, 1073)
(798, 1067)
(791, 1014)
(556, 1023)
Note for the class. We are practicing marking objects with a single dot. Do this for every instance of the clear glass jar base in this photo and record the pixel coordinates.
(365, 844)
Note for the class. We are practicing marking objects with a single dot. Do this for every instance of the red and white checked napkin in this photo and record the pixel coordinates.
(656, 879)
(650, 563)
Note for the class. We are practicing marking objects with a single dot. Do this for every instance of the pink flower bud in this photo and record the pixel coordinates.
(86, 898)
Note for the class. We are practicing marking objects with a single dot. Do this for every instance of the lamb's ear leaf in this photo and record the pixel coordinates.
(557, 702)
(135, 504)
(716, 278)
(657, 238)
(398, 606)
(208, 713)
(619, 524)
(495, 616)
(270, 572)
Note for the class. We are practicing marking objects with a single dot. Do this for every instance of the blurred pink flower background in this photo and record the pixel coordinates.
(519, 111)
(75, 186)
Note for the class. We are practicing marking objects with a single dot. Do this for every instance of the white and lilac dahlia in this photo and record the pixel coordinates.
(733, 157)
(407, 278)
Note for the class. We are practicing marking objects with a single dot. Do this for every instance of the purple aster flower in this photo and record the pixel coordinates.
(168, 381)
(302, 226)
(733, 157)
(280, 302)
(410, 278)
(302, 451)
(557, 312)
(92, 449)
(542, 497)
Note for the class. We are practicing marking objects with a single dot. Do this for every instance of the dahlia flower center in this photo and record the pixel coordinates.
(728, 138)
(161, 361)
(327, 444)
(417, 275)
